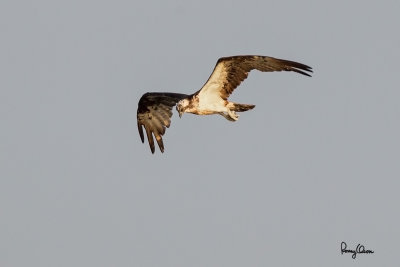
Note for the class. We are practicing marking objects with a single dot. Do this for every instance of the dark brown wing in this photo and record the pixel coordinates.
(229, 72)
(154, 114)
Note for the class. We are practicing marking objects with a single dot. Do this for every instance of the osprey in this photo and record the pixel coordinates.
(155, 109)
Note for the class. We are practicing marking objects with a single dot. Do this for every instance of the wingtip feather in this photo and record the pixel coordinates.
(140, 129)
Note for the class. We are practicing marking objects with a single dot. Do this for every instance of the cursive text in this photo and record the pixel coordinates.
(359, 250)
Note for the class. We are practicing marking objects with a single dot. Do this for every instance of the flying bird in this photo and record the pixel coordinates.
(155, 109)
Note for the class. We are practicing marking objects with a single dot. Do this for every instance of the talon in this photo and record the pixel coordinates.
(232, 114)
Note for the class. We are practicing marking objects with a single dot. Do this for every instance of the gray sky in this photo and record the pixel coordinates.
(314, 164)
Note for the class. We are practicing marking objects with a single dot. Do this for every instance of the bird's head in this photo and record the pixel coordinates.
(181, 106)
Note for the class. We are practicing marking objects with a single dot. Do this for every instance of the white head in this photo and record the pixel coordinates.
(181, 106)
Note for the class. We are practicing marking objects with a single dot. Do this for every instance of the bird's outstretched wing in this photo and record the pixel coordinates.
(229, 72)
(154, 113)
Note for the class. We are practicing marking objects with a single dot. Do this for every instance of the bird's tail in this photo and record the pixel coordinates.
(242, 107)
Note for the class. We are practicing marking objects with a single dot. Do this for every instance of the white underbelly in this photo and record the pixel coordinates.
(210, 100)
(214, 105)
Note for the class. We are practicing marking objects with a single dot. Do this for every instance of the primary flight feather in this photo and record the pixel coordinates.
(155, 109)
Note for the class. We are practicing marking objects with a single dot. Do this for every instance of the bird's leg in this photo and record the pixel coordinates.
(226, 116)
(233, 115)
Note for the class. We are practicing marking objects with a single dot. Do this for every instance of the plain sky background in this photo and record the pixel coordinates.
(314, 164)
